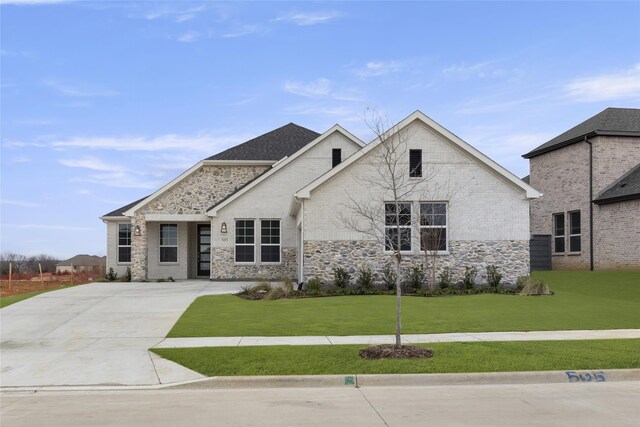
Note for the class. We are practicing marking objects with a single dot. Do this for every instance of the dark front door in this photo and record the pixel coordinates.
(204, 249)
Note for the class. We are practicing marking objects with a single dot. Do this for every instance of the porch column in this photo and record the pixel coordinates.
(139, 249)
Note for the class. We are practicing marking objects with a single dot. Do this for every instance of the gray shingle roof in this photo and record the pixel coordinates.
(627, 187)
(612, 121)
(273, 145)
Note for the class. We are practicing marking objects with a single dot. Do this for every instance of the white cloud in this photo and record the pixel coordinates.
(480, 70)
(204, 143)
(33, 2)
(309, 18)
(75, 91)
(35, 122)
(92, 163)
(21, 203)
(188, 37)
(606, 87)
(476, 106)
(20, 159)
(244, 30)
(319, 88)
(378, 68)
(120, 179)
(179, 15)
(47, 227)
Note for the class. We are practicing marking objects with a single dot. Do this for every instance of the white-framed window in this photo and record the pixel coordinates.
(574, 231)
(558, 233)
(168, 242)
(433, 227)
(124, 243)
(270, 241)
(245, 241)
(394, 225)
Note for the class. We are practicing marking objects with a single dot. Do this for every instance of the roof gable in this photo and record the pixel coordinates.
(213, 211)
(273, 145)
(611, 121)
(627, 187)
(305, 192)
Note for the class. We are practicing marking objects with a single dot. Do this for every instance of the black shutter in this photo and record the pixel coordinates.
(415, 163)
(336, 157)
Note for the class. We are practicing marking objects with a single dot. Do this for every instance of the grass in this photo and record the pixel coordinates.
(582, 300)
(448, 358)
(8, 300)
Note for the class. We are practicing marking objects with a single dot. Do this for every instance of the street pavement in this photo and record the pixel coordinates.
(97, 334)
(558, 404)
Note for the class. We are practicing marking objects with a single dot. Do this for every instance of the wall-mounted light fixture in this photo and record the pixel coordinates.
(136, 230)
(223, 228)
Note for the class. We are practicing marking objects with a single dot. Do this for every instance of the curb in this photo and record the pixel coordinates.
(360, 381)
(415, 380)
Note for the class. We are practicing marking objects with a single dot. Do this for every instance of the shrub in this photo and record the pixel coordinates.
(469, 277)
(341, 278)
(313, 286)
(493, 277)
(520, 282)
(389, 278)
(246, 290)
(261, 287)
(127, 275)
(415, 278)
(275, 293)
(365, 280)
(535, 286)
(446, 278)
(111, 275)
(287, 286)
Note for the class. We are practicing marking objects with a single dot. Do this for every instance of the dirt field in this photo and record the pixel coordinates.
(24, 283)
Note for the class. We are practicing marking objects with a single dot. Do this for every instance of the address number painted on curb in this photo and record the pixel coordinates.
(593, 376)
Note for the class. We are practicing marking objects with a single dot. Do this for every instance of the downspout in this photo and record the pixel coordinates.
(586, 139)
(301, 272)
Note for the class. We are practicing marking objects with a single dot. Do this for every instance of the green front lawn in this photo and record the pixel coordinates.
(448, 357)
(5, 301)
(582, 300)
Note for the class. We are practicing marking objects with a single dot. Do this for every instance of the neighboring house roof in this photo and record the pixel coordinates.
(610, 122)
(264, 149)
(83, 260)
(274, 145)
(213, 210)
(305, 192)
(627, 187)
(527, 179)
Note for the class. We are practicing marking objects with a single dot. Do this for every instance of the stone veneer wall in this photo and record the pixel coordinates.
(223, 266)
(193, 195)
(510, 256)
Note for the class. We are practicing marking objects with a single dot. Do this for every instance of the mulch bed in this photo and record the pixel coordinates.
(389, 351)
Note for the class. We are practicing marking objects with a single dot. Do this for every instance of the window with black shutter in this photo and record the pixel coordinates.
(336, 157)
(415, 163)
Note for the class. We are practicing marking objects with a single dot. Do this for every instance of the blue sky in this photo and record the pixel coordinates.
(103, 102)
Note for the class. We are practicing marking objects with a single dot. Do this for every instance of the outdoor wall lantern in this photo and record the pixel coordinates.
(136, 230)
(223, 228)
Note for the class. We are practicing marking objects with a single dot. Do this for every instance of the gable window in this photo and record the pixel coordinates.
(415, 163)
(124, 243)
(433, 226)
(245, 240)
(336, 157)
(168, 242)
(270, 240)
(558, 233)
(393, 226)
(574, 231)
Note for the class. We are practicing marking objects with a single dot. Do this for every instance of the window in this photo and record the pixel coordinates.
(336, 157)
(391, 227)
(270, 240)
(168, 242)
(124, 243)
(415, 163)
(245, 240)
(433, 226)
(574, 231)
(558, 233)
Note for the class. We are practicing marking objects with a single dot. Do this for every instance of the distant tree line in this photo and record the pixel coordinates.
(27, 264)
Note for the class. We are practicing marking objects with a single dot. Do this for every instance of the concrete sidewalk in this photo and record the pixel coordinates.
(406, 339)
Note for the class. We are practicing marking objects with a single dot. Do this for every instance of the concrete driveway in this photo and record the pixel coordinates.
(96, 334)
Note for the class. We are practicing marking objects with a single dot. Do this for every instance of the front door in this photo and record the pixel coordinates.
(204, 250)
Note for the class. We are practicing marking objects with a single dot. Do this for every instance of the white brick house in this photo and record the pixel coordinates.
(273, 206)
(590, 180)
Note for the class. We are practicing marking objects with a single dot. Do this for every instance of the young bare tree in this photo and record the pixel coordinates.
(385, 216)
(433, 237)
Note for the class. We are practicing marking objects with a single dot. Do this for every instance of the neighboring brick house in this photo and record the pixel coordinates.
(590, 180)
(82, 263)
(271, 207)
